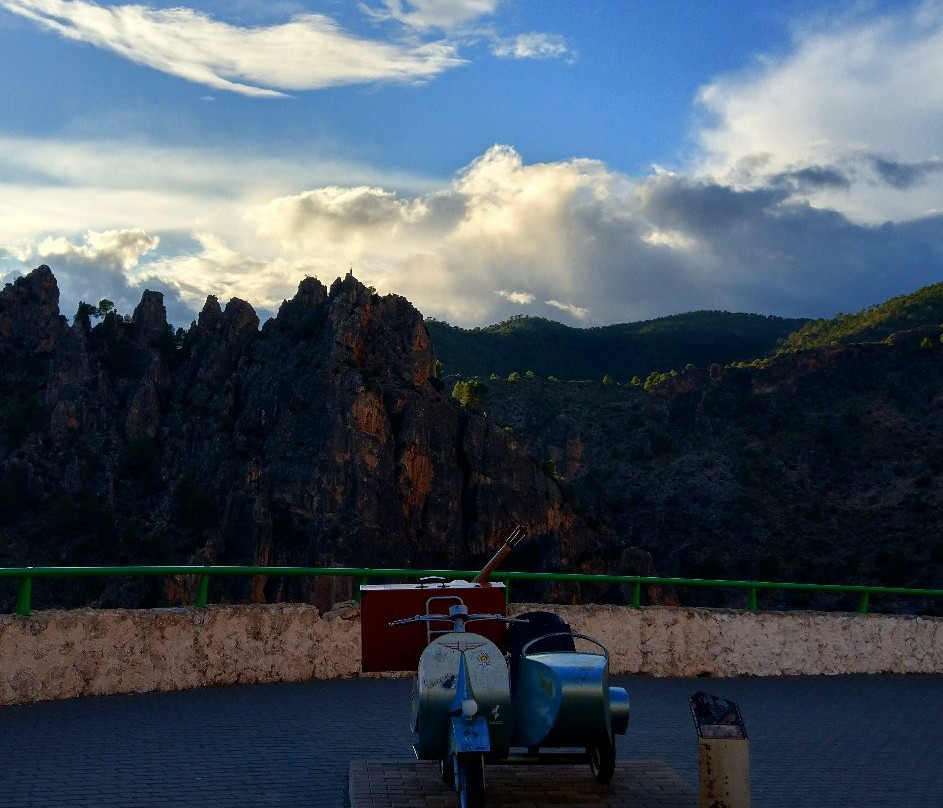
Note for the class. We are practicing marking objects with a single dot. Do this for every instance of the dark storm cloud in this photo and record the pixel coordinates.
(758, 251)
(811, 178)
(703, 206)
(905, 175)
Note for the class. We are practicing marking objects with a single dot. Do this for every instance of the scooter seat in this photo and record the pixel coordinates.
(538, 624)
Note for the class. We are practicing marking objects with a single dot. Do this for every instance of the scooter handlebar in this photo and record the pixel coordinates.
(444, 618)
(420, 618)
(495, 617)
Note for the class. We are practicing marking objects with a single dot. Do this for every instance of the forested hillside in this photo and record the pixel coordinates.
(622, 351)
(923, 307)
(820, 466)
(822, 463)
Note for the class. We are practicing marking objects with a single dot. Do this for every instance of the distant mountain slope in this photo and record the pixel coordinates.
(548, 348)
(824, 465)
(902, 313)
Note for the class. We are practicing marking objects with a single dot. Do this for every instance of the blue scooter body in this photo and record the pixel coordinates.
(462, 698)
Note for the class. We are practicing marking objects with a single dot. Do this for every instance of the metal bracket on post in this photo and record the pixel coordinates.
(723, 752)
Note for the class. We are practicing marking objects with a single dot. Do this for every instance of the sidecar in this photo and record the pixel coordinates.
(561, 697)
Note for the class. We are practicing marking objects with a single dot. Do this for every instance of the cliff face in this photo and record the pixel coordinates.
(321, 438)
(820, 466)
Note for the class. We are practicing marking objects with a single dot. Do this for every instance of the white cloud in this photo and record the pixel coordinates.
(597, 246)
(850, 97)
(669, 238)
(56, 187)
(433, 13)
(99, 265)
(215, 268)
(336, 214)
(119, 250)
(521, 298)
(570, 240)
(573, 310)
(309, 52)
(531, 46)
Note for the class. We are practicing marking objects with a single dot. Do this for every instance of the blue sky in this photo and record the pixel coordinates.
(590, 162)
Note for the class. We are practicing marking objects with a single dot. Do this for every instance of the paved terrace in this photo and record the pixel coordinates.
(814, 741)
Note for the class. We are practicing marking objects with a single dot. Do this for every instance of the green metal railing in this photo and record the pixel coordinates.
(26, 575)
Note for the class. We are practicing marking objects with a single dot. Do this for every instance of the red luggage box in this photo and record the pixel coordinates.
(397, 648)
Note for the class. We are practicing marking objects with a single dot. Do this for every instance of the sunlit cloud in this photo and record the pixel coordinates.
(521, 298)
(214, 267)
(55, 186)
(570, 240)
(336, 214)
(309, 52)
(669, 238)
(100, 265)
(855, 101)
(574, 311)
(117, 249)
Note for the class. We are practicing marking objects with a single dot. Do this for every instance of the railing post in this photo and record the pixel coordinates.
(636, 594)
(865, 603)
(202, 591)
(23, 606)
(751, 601)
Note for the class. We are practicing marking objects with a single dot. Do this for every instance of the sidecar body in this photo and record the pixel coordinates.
(561, 696)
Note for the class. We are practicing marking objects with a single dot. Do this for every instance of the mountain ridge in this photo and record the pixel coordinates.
(623, 350)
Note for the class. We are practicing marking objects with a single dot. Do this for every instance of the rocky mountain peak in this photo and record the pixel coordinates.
(322, 438)
(29, 314)
(148, 326)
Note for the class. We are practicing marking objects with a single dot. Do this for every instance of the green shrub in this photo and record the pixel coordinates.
(471, 394)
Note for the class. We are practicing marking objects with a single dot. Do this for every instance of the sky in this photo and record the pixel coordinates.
(591, 162)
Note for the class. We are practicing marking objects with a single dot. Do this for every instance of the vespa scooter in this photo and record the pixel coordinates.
(461, 704)
(468, 707)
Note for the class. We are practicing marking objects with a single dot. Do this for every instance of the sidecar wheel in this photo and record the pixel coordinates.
(602, 761)
(471, 773)
(447, 771)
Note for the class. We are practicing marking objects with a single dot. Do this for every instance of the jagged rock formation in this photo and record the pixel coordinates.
(321, 438)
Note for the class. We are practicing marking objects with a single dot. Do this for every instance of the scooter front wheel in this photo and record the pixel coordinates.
(470, 780)
(602, 761)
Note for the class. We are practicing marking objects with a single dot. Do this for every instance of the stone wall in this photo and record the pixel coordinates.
(86, 652)
(62, 654)
(672, 641)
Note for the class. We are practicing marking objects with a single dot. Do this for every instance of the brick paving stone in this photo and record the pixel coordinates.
(511, 786)
(815, 742)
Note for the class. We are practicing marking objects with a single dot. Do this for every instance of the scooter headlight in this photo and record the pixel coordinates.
(469, 708)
